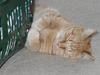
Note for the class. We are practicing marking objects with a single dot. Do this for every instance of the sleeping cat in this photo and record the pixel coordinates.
(53, 34)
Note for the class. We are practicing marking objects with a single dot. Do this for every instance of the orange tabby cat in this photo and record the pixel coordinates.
(52, 34)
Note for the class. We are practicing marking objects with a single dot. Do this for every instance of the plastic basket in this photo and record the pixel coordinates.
(14, 17)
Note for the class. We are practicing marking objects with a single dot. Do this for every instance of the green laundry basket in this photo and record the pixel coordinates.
(15, 15)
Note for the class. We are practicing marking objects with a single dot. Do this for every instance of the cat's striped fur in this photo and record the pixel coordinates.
(53, 34)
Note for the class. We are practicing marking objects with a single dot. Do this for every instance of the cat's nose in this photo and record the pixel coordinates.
(61, 45)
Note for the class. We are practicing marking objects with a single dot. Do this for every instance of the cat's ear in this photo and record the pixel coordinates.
(88, 33)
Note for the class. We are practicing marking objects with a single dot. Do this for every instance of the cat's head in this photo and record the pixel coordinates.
(77, 43)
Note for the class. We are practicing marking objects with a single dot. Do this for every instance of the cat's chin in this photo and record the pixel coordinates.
(84, 57)
(72, 57)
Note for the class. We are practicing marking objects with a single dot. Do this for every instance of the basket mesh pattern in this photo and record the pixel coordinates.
(14, 16)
